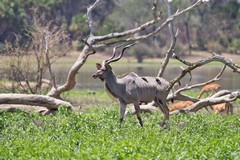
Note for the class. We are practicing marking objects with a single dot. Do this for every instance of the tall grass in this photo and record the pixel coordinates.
(97, 135)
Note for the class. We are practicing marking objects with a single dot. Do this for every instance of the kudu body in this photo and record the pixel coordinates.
(133, 89)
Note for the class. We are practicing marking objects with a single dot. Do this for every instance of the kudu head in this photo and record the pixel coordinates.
(104, 69)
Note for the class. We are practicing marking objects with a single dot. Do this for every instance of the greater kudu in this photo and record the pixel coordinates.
(133, 88)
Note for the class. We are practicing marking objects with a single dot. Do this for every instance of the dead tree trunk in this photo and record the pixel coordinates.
(34, 100)
(93, 42)
(32, 103)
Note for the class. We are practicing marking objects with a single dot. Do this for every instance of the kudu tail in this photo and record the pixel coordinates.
(172, 99)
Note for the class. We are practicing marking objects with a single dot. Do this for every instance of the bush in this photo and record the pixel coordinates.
(234, 46)
(142, 51)
(2, 49)
(215, 46)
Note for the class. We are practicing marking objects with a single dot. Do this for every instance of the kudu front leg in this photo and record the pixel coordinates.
(122, 112)
(138, 113)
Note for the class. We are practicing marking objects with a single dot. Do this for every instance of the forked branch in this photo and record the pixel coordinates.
(192, 66)
(89, 13)
(143, 27)
(179, 96)
(216, 78)
(219, 97)
(215, 57)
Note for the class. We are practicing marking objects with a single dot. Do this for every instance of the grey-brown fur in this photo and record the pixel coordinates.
(134, 89)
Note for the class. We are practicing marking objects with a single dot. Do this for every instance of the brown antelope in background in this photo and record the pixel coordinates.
(133, 88)
(213, 87)
(180, 105)
(223, 107)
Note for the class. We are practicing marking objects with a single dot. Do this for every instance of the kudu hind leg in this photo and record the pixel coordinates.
(138, 113)
(164, 108)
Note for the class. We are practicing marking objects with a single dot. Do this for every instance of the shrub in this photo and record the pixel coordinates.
(234, 46)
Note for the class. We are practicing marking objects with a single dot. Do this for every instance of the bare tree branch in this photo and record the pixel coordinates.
(141, 28)
(215, 57)
(48, 60)
(228, 62)
(219, 97)
(70, 82)
(154, 10)
(216, 78)
(124, 34)
(192, 66)
(90, 46)
(173, 42)
(179, 96)
(89, 13)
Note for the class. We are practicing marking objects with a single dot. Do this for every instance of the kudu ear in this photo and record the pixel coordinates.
(99, 66)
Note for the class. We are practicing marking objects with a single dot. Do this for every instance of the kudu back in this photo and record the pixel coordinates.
(133, 88)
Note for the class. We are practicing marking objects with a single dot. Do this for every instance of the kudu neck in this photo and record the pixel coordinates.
(111, 78)
(113, 85)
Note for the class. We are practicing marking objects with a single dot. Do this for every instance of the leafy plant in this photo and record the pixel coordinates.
(96, 135)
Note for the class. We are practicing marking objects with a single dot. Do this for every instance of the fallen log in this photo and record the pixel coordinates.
(34, 100)
(145, 108)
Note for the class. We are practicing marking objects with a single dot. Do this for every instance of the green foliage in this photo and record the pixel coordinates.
(234, 46)
(131, 13)
(17, 8)
(142, 51)
(96, 135)
(79, 22)
(211, 25)
(1, 48)
(110, 26)
(229, 9)
(215, 46)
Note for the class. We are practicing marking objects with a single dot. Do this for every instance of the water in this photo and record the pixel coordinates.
(229, 80)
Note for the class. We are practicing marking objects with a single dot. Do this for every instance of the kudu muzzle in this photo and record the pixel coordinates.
(96, 75)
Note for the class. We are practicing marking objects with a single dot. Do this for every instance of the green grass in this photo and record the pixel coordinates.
(97, 135)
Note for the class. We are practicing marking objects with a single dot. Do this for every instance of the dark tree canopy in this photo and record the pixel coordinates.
(214, 26)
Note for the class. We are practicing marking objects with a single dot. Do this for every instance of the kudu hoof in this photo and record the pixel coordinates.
(164, 125)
